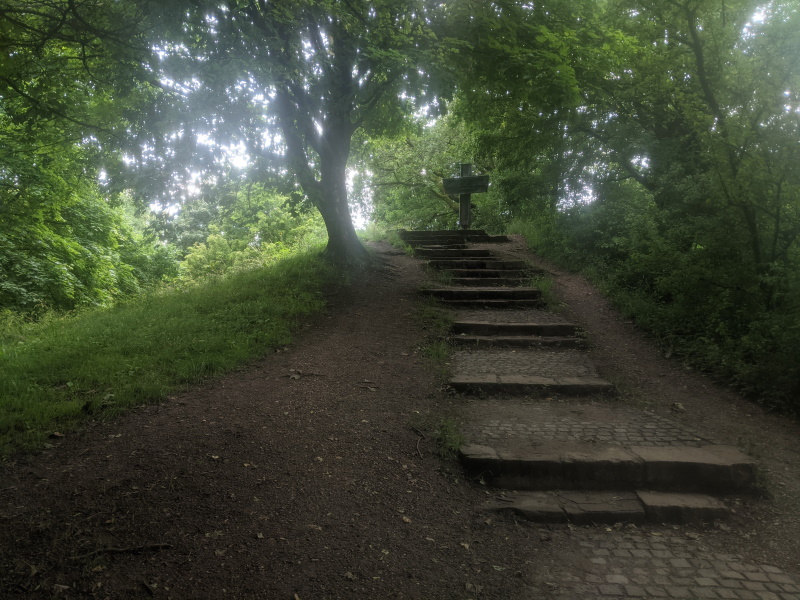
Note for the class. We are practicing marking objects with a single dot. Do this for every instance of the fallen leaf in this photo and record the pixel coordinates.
(406, 520)
(260, 536)
(465, 545)
(349, 576)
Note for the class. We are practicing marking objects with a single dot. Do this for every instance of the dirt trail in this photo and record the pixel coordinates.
(300, 477)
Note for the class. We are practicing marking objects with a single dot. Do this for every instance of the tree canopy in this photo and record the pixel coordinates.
(653, 143)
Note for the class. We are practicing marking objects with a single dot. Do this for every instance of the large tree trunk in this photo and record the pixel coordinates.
(329, 192)
(344, 247)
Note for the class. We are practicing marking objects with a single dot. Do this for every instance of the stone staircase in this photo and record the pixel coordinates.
(540, 428)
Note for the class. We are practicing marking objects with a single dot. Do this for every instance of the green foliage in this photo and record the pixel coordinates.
(245, 227)
(448, 438)
(671, 177)
(62, 243)
(64, 369)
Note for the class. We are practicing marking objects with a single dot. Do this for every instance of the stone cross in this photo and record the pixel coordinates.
(464, 187)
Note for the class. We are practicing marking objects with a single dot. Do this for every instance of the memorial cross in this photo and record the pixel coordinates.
(464, 187)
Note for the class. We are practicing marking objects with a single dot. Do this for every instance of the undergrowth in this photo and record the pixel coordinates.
(65, 369)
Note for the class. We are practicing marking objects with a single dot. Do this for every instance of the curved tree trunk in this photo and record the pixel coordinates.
(344, 247)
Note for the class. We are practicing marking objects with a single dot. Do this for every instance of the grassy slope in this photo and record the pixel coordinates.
(56, 373)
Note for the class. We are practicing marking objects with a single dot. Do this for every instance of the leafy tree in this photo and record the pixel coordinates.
(68, 90)
(293, 81)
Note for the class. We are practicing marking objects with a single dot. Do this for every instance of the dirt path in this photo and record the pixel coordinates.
(300, 476)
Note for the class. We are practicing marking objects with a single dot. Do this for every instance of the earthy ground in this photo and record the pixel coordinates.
(306, 475)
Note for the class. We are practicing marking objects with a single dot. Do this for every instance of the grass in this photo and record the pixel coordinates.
(443, 431)
(545, 286)
(60, 371)
(448, 438)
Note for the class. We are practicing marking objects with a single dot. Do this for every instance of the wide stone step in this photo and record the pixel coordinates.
(509, 329)
(404, 233)
(449, 239)
(488, 281)
(486, 263)
(494, 341)
(429, 246)
(488, 273)
(447, 253)
(483, 293)
(617, 506)
(494, 304)
(528, 385)
(709, 469)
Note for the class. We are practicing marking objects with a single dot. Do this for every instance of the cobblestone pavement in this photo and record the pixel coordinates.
(530, 315)
(542, 363)
(490, 422)
(610, 564)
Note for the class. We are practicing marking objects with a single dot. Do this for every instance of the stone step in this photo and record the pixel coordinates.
(449, 239)
(488, 273)
(494, 304)
(488, 281)
(709, 469)
(618, 506)
(447, 253)
(484, 263)
(429, 246)
(513, 329)
(496, 341)
(528, 385)
(404, 233)
(462, 235)
(482, 293)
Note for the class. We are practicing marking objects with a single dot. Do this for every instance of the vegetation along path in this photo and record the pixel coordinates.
(316, 472)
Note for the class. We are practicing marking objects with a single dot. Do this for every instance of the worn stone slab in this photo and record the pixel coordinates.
(451, 253)
(487, 273)
(573, 467)
(603, 468)
(498, 341)
(577, 386)
(492, 383)
(539, 507)
(615, 506)
(494, 304)
(707, 468)
(525, 380)
(665, 507)
(438, 232)
(508, 329)
(420, 245)
(478, 458)
(587, 508)
(474, 382)
(485, 263)
(488, 281)
(539, 469)
(483, 293)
